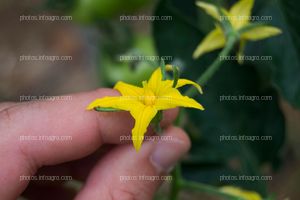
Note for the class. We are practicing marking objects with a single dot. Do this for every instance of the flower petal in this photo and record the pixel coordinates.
(121, 102)
(128, 90)
(155, 80)
(173, 99)
(240, 13)
(183, 82)
(260, 33)
(214, 40)
(143, 116)
(210, 9)
(247, 195)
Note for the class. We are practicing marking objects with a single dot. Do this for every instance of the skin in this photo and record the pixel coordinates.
(90, 155)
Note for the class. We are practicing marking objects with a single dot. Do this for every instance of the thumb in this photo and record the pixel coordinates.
(125, 174)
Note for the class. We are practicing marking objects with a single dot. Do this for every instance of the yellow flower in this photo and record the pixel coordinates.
(143, 103)
(246, 195)
(239, 17)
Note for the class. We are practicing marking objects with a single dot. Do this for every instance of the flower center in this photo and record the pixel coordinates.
(149, 98)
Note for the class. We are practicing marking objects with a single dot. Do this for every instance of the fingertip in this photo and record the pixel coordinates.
(181, 136)
(170, 150)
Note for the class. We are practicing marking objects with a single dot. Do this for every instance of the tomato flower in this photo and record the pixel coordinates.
(239, 18)
(143, 103)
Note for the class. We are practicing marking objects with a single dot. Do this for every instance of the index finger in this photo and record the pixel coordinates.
(87, 130)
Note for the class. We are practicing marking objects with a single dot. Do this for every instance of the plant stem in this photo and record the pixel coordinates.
(211, 70)
(176, 182)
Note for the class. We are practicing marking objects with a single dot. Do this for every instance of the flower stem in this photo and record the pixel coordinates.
(176, 182)
(211, 70)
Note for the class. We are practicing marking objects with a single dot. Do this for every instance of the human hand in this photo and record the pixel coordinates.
(88, 130)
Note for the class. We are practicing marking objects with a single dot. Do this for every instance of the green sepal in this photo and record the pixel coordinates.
(99, 109)
(250, 27)
(156, 122)
(175, 76)
(163, 69)
(226, 25)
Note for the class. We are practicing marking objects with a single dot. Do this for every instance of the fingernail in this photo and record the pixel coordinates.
(166, 155)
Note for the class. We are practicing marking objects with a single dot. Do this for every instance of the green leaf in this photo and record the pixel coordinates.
(283, 71)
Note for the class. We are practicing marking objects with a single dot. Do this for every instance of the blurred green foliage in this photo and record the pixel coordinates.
(125, 66)
(91, 11)
(120, 51)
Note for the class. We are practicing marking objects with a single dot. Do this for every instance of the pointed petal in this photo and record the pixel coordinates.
(210, 9)
(128, 90)
(155, 80)
(260, 33)
(122, 102)
(240, 13)
(173, 99)
(183, 82)
(214, 40)
(248, 195)
(143, 116)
